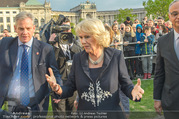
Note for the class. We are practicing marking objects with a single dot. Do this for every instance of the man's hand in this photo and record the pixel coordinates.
(52, 37)
(56, 100)
(158, 106)
(137, 91)
(76, 104)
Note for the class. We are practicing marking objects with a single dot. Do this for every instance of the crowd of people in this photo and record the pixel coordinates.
(138, 41)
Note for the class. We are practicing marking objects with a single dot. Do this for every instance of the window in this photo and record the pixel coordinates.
(1, 28)
(1, 12)
(9, 27)
(36, 22)
(42, 22)
(8, 19)
(14, 12)
(13, 19)
(1, 19)
(7, 12)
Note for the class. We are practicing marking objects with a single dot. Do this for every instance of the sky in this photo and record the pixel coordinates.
(101, 5)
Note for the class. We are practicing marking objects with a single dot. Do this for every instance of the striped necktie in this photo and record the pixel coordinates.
(24, 80)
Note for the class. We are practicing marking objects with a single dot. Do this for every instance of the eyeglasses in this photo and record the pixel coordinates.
(174, 14)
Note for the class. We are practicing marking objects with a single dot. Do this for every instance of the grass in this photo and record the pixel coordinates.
(145, 108)
(147, 101)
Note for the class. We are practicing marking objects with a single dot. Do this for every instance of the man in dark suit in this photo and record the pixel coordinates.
(64, 55)
(166, 81)
(24, 63)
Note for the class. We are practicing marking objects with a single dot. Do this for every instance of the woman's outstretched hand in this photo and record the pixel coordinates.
(137, 91)
(52, 82)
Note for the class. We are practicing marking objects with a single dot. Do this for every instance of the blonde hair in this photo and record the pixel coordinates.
(111, 32)
(131, 30)
(118, 32)
(94, 27)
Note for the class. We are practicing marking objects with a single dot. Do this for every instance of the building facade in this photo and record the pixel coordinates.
(88, 10)
(43, 13)
(10, 8)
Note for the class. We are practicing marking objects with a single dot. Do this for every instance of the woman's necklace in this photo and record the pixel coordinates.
(97, 61)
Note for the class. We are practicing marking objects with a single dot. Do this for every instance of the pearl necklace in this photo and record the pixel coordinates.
(97, 61)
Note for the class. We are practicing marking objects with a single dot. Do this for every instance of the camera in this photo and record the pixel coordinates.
(62, 37)
(59, 29)
(160, 34)
(122, 28)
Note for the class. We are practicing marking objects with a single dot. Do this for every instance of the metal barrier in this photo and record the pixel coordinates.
(152, 55)
(134, 43)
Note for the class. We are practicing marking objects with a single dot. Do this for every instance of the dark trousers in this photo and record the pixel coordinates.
(130, 62)
(171, 114)
(65, 106)
(138, 65)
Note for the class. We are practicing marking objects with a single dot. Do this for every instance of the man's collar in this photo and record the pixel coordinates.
(29, 44)
(176, 35)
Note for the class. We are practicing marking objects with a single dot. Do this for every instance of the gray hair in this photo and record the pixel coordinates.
(23, 15)
(172, 3)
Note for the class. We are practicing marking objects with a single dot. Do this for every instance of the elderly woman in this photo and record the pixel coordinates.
(97, 73)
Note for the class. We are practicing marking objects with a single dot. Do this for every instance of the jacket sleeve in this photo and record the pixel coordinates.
(151, 39)
(76, 48)
(159, 78)
(53, 64)
(142, 38)
(134, 39)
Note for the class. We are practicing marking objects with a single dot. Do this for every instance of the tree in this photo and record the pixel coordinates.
(73, 28)
(157, 8)
(81, 19)
(121, 17)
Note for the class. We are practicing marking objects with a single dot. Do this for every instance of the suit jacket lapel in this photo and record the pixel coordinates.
(36, 54)
(84, 63)
(13, 53)
(108, 55)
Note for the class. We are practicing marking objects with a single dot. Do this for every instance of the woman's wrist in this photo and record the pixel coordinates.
(58, 90)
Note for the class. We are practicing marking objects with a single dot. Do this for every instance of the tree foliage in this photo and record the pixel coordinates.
(157, 8)
(123, 13)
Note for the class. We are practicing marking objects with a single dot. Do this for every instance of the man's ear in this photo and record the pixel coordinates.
(34, 28)
(169, 15)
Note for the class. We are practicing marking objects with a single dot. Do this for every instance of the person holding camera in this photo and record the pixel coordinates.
(122, 28)
(64, 56)
(24, 63)
(5, 34)
(162, 31)
(118, 38)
